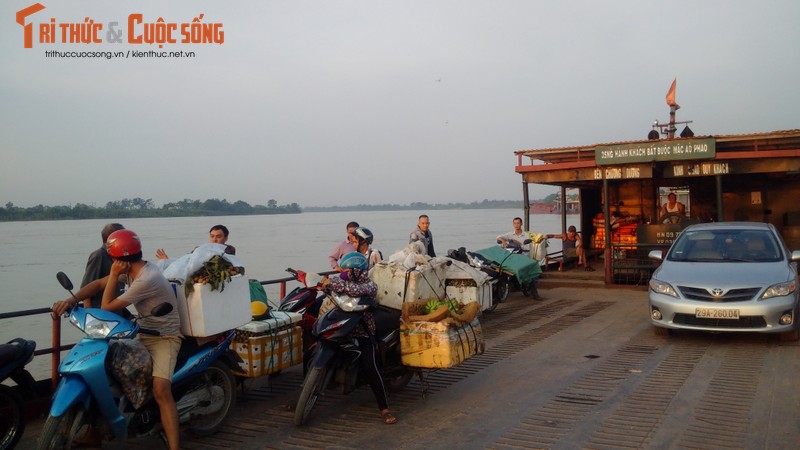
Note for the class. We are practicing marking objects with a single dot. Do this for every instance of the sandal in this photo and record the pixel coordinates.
(388, 417)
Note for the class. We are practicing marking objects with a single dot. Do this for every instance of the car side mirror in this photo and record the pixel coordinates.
(658, 255)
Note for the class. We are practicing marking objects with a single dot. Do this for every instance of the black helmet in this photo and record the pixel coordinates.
(363, 233)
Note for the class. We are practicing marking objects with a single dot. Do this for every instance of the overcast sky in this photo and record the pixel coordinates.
(345, 102)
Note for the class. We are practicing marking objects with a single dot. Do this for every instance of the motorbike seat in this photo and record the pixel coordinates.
(189, 348)
(16, 349)
(15, 354)
(387, 320)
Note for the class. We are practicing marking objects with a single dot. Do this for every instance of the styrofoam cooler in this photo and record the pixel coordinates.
(426, 281)
(269, 353)
(466, 291)
(278, 321)
(206, 312)
(435, 345)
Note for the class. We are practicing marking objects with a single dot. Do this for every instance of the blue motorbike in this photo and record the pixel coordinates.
(203, 385)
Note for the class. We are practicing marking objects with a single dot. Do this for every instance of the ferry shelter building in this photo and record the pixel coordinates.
(748, 177)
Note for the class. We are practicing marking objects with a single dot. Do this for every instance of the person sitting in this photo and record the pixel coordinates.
(674, 207)
(147, 288)
(515, 238)
(354, 281)
(572, 246)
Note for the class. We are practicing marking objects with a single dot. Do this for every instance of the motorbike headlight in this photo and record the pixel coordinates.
(659, 287)
(98, 329)
(349, 304)
(779, 290)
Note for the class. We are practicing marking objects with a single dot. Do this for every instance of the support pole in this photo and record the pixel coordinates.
(564, 210)
(526, 208)
(720, 208)
(607, 226)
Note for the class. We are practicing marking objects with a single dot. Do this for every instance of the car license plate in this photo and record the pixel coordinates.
(716, 313)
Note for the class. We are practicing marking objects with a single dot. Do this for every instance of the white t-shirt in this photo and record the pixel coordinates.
(148, 290)
(517, 239)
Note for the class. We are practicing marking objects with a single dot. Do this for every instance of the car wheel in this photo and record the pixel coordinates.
(661, 331)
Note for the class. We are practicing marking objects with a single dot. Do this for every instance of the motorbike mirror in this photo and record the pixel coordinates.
(499, 241)
(64, 280)
(161, 310)
(527, 241)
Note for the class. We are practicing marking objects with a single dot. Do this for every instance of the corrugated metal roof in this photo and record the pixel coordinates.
(719, 138)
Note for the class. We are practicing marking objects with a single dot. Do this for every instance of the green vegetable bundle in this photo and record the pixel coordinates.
(216, 271)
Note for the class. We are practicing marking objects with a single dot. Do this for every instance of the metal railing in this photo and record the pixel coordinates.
(630, 263)
(57, 347)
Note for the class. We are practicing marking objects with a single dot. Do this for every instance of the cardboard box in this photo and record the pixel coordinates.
(270, 353)
(427, 281)
(434, 345)
(206, 312)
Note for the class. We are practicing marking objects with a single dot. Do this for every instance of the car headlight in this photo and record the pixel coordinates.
(659, 287)
(98, 329)
(779, 290)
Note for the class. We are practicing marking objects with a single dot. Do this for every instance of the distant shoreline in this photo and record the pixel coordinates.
(220, 208)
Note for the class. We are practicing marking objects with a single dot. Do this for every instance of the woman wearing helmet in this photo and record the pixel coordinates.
(354, 281)
(363, 245)
(147, 288)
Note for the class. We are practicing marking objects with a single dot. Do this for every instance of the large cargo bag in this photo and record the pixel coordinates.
(524, 269)
(396, 284)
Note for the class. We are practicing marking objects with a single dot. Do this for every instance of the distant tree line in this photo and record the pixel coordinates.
(139, 207)
(421, 206)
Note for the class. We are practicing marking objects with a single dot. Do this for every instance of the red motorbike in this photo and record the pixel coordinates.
(305, 300)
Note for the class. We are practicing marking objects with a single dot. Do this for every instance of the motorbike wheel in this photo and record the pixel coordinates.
(399, 382)
(217, 375)
(12, 417)
(60, 432)
(312, 388)
(500, 291)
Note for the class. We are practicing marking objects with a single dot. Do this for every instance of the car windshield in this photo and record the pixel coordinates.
(726, 245)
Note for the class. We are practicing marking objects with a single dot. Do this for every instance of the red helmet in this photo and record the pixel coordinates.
(123, 243)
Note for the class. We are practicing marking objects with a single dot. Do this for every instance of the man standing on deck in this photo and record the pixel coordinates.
(344, 247)
(218, 234)
(423, 234)
(98, 266)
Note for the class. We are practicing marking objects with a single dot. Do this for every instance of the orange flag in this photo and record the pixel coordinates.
(671, 94)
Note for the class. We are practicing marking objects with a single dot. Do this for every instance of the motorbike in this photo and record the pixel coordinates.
(501, 279)
(203, 385)
(336, 353)
(14, 356)
(530, 289)
(305, 300)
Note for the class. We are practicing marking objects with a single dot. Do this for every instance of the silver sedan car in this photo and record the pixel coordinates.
(726, 276)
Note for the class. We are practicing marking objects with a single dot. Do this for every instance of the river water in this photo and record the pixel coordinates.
(33, 252)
